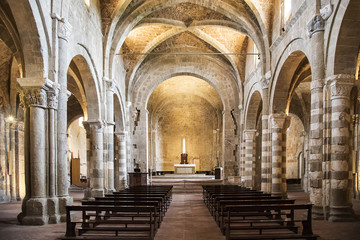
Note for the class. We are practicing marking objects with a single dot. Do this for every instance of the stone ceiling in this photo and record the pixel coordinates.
(188, 26)
(181, 89)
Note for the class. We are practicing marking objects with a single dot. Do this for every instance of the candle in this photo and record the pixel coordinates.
(184, 150)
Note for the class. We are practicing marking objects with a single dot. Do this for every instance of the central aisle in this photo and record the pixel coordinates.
(188, 219)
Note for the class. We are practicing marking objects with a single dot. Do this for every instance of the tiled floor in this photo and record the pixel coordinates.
(186, 219)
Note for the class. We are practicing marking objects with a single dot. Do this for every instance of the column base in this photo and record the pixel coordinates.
(97, 192)
(36, 212)
(341, 214)
(52, 208)
(318, 212)
(64, 201)
(110, 191)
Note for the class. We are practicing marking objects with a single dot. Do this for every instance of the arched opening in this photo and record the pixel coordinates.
(12, 160)
(291, 118)
(77, 152)
(185, 117)
(80, 84)
(253, 134)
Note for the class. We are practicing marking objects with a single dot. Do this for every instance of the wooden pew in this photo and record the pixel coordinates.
(239, 215)
(110, 202)
(131, 222)
(267, 216)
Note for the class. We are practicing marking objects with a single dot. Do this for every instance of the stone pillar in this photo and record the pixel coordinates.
(341, 174)
(121, 168)
(3, 191)
(53, 201)
(34, 98)
(62, 155)
(266, 140)
(250, 144)
(110, 134)
(316, 33)
(94, 132)
(279, 124)
(12, 160)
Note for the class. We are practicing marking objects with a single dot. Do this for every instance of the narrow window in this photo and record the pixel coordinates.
(87, 3)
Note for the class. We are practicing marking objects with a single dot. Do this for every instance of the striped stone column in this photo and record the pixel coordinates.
(341, 175)
(265, 138)
(94, 132)
(316, 34)
(249, 141)
(265, 155)
(110, 135)
(279, 124)
(121, 166)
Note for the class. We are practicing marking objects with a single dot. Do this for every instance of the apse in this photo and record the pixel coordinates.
(185, 116)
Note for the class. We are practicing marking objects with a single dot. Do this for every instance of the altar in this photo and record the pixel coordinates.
(185, 168)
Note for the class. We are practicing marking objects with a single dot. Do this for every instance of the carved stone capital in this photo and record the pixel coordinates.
(34, 92)
(341, 85)
(121, 136)
(316, 24)
(280, 120)
(249, 134)
(52, 96)
(109, 83)
(93, 125)
(264, 83)
(64, 31)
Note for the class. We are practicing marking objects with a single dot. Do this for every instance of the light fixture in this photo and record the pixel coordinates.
(10, 119)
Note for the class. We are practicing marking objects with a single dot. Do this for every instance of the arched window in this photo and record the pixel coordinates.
(87, 3)
(287, 10)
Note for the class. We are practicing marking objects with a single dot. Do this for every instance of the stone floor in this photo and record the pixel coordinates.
(186, 219)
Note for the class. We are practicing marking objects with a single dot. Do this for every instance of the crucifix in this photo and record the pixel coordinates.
(184, 154)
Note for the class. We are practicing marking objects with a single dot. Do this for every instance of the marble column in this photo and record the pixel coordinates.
(110, 134)
(64, 32)
(94, 132)
(33, 94)
(250, 144)
(316, 34)
(266, 137)
(279, 124)
(121, 168)
(53, 201)
(341, 171)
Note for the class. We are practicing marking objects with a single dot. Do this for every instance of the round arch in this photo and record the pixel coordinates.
(290, 59)
(344, 39)
(252, 109)
(90, 83)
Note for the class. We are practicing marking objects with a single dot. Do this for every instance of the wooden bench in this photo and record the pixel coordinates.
(130, 222)
(137, 202)
(237, 217)
(268, 217)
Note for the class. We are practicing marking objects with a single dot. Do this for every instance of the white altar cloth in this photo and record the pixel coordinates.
(185, 168)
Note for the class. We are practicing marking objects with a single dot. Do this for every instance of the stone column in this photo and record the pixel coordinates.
(266, 140)
(34, 97)
(121, 167)
(316, 33)
(341, 174)
(53, 201)
(279, 124)
(110, 134)
(95, 131)
(12, 160)
(3, 192)
(62, 159)
(250, 144)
